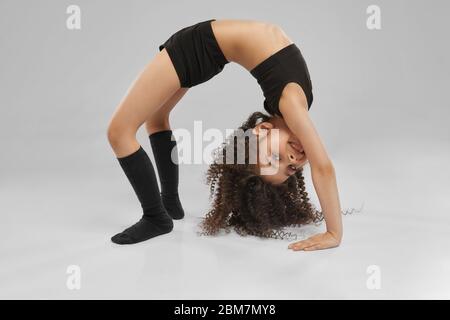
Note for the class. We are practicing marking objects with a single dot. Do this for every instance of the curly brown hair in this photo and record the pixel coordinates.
(244, 201)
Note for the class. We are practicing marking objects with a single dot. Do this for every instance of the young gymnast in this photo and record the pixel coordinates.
(245, 197)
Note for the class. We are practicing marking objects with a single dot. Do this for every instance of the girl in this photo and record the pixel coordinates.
(246, 197)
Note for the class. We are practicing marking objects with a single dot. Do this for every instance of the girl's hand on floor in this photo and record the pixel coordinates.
(316, 242)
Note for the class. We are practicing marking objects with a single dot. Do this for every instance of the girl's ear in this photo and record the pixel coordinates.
(263, 125)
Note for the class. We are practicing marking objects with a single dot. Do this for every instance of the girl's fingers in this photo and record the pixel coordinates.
(304, 244)
(292, 245)
(312, 243)
(308, 241)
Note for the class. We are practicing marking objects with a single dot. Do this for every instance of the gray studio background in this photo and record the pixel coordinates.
(380, 106)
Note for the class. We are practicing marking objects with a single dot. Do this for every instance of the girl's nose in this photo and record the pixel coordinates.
(293, 158)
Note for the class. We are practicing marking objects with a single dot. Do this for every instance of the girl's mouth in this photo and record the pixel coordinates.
(291, 170)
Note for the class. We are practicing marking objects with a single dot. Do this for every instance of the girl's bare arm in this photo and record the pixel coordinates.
(293, 107)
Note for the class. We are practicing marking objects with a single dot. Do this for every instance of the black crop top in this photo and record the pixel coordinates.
(274, 73)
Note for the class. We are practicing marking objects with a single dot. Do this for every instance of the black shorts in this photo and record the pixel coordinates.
(195, 53)
(275, 72)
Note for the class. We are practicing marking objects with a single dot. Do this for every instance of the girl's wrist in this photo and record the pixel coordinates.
(336, 235)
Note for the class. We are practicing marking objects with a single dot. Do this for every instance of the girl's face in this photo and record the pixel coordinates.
(280, 152)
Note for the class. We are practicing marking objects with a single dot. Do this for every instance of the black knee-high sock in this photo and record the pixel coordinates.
(164, 148)
(155, 221)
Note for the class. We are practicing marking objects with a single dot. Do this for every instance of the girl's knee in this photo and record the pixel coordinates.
(119, 135)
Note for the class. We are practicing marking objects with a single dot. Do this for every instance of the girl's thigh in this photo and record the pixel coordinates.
(152, 88)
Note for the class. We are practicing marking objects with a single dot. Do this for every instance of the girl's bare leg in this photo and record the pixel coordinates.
(159, 121)
(155, 85)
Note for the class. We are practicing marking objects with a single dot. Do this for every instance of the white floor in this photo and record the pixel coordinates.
(52, 220)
